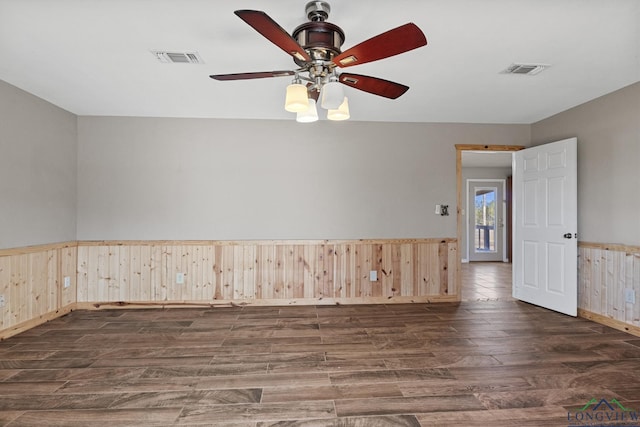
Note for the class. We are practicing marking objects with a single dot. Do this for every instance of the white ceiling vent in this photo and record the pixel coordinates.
(525, 69)
(177, 57)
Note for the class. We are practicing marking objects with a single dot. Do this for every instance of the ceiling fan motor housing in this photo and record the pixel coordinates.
(320, 39)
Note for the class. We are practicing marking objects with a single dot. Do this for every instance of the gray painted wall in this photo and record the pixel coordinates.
(608, 132)
(38, 149)
(218, 179)
(151, 178)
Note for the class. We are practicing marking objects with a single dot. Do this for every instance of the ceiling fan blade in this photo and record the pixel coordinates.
(262, 23)
(393, 42)
(247, 76)
(374, 85)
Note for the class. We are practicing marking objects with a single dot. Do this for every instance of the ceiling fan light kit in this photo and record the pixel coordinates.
(296, 99)
(315, 47)
(341, 113)
(332, 95)
(310, 114)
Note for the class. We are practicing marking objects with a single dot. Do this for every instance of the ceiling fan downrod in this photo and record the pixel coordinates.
(317, 11)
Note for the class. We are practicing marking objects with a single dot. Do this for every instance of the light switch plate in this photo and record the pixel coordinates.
(373, 276)
(180, 278)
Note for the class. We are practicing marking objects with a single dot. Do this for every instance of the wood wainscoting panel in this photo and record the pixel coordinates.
(32, 285)
(605, 273)
(273, 272)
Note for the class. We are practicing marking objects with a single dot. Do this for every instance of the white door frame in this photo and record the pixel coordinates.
(503, 215)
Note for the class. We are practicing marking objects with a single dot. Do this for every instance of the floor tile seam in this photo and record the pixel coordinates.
(548, 391)
(407, 413)
(51, 382)
(405, 386)
(200, 377)
(60, 393)
(11, 423)
(266, 404)
(36, 411)
(153, 366)
(394, 379)
(330, 371)
(189, 395)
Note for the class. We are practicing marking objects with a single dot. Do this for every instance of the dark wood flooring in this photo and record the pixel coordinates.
(477, 363)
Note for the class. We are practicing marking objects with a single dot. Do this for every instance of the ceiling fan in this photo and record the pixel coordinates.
(315, 48)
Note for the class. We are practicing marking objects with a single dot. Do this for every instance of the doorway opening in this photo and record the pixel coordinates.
(482, 210)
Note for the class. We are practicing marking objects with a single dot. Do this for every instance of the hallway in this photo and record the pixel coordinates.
(486, 281)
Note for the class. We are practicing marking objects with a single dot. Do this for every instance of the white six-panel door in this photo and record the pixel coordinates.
(545, 246)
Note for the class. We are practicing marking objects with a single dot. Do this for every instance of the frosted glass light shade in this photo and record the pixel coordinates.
(310, 114)
(342, 113)
(332, 95)
(296, 99)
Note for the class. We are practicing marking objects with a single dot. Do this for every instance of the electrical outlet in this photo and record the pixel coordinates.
(630, 296)
(67, 281)
(373, 276)
(2, 301)
(180, 278)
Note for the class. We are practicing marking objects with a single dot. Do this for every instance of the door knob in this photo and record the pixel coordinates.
(567, 235)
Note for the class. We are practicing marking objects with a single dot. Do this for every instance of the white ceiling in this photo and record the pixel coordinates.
(92, 57)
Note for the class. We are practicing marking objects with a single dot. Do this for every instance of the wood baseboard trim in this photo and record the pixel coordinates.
(264, 302)
(24, 326)
(607, 321)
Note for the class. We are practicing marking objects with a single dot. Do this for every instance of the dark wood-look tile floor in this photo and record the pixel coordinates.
(477, 363)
